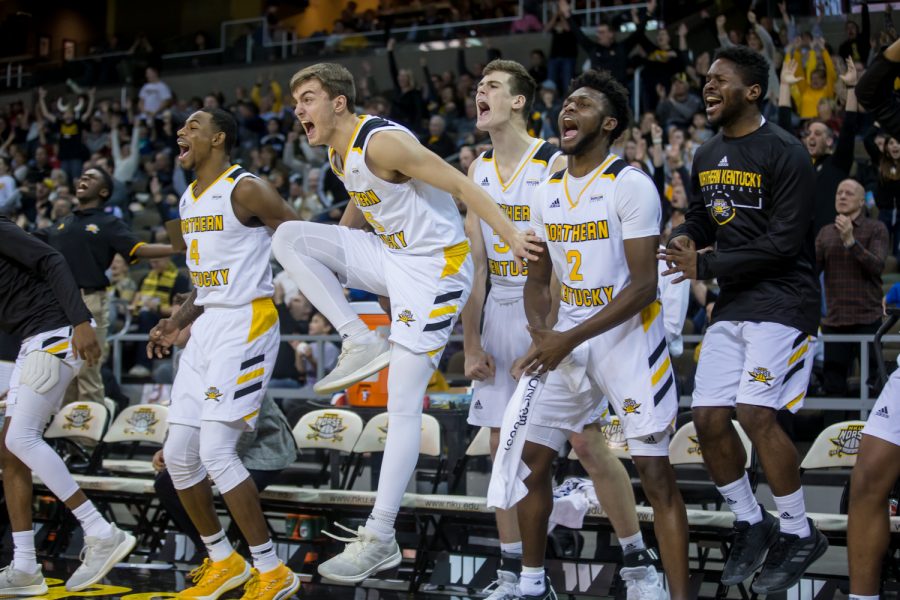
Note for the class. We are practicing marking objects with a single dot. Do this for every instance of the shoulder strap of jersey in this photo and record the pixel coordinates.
(545, 153)
(366, 130)
(238, 173)
(614, 168)
(557, 177)
(488, 154)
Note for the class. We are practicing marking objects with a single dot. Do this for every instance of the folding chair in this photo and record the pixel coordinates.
(334, 430)
(137, 426)
(79, 427)
(833, 454)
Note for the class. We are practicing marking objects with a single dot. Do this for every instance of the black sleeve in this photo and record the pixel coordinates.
(697, 224)
(584, 41)
(872, 147)
(865, 35)
(461, 68)
(844, 150)
(875, 92)
(784, 118)
(123, 240)
(49, 265)
(392, 65)
(793, 180)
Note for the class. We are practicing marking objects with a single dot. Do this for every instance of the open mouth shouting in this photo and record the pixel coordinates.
(310, 128)
(184, 149)
(569, 129)
(484, 110)
(713, 105)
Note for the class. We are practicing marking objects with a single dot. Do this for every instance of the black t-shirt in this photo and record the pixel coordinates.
(89, 240)
(37, 291)
(285, 361)
(71, 142)
(754, 200)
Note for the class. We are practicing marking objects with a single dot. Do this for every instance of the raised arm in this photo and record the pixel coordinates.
(875, 86)
(42, 105)
(395, 153)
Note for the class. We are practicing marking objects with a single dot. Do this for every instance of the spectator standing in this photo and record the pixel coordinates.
(407, 104)
(858, 43)
(88, 239)
(815, 79)
(876, 86)
(155, 96)
(70, 131)
(886, 163)
(563, 51)
(851, 255)
(604, 53)
(680, 106)
(438, 140)
(9, 191)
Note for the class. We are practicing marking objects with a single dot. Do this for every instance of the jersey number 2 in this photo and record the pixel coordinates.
(194, 253)
(573, 257)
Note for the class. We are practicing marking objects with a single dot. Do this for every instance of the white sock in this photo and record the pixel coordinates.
(632, 543)
(531, 582)
(740, 499)
(24, 556)
(355, 330)
(92, 521)
(264, 557)
(792, 514)
(381, 523)
(858, 597)
(217, 546)
(511, 549)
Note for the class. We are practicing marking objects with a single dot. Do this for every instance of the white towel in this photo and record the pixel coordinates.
(508, 474)
(571, 501)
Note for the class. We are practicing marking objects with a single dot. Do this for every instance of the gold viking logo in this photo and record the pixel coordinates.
(142, 422)
(327, 427)
(79, 417)
(847, 441)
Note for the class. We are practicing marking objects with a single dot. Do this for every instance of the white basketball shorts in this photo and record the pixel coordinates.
(884, 420)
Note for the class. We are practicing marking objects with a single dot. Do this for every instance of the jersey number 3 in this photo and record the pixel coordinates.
(573, 257)
(194, 253)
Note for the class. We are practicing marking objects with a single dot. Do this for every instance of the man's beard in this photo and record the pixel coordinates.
(584, 143)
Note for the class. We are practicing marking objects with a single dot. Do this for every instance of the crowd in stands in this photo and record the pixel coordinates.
(47, 143)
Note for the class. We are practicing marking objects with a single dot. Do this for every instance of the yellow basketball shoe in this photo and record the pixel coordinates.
(212, 579)
(276, 584)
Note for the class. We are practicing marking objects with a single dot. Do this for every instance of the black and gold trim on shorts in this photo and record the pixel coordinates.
(252, 370)
(799, 349)
(663, 372)
(443, 311)
(57, 345)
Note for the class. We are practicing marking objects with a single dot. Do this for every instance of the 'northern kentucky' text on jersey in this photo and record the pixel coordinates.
(228, 261)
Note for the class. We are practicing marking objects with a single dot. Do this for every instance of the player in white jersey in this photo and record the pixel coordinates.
(600, 219)
(227, 219)
(874, 476)
(510, 172)
(417, 255)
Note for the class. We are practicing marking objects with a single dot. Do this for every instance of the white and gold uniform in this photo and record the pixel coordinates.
(505, 336)
(229, 358)
(418, 255)
(585, 222)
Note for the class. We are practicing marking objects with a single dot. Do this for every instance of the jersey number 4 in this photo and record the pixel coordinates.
(573, 257)
(194, 253)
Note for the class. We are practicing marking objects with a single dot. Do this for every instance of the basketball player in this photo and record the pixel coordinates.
(510, 172)
(600, 219)
(877, 470)
(42, 305)
(227, 218)
(754, 200)
(417, 255)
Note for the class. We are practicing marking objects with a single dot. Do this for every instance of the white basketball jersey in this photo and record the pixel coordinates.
(514, 197)
(585, 222)
(229, 262)
(409, 218)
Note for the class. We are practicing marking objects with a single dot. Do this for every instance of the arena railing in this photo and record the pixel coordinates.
(862, 403)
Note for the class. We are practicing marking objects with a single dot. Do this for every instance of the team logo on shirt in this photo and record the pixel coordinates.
(596, 198)
(761, 375)
(92, 228)
(631, 407)
(532, 182)
(61, 226)
(847, 441)
(722, 210)
(328, 427)
(79, 417)
(213, 393)
(406, 317)
(142, 422)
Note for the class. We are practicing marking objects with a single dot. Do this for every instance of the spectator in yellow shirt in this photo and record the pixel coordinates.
(817, 80)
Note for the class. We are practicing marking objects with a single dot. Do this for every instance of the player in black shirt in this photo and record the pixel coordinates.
(40, 303)
(754, 204)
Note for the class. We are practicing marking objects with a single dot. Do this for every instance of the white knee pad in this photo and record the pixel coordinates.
(551, 437)
(218, 452)
(224, 466)
(182, 456)
(40, 371)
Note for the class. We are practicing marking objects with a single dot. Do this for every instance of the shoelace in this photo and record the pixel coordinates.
(197, 574)
(495, 585)
(355, 544)
(251, 588)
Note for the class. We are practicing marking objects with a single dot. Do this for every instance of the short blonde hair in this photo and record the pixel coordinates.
(335, 79)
